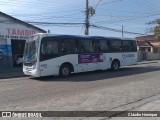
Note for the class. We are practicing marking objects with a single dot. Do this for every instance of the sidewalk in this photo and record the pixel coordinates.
(11, 73)
(148, 62)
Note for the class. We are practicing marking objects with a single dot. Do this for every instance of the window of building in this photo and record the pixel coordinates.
(155, 50)
(142, 49)
(149, 49)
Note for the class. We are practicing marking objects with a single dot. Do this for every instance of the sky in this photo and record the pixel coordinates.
(131, 14)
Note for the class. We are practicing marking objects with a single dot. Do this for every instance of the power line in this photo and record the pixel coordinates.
(116, 30)
(56, 23)
(144, 5)
(45, 23)
(40, 6)
(81, 29)
(97, 4)
(75, 12)
(131, 18)
(110, 2)
(64, 17)
(69, 17)
(147, 5)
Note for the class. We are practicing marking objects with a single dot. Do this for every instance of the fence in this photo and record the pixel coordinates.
(148, 56)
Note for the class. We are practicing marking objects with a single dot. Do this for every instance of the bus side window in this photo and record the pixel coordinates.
(116, 45)
(96, 46)
(76, 46)
(68, 46)
(134, 48)
(86, 46)
(127, 46)
(43, 46)
(81, 47)
(43, 50)
(104, 46)
(108, 46)
(49, 49)
(65, 48)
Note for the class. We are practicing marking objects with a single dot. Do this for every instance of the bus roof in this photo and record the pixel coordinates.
(81, 36)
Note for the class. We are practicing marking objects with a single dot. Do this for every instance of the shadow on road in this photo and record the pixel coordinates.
(101, 74)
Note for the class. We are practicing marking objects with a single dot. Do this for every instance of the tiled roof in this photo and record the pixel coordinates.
(146, 38)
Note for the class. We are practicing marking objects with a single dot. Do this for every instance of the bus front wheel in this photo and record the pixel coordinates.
(115, 65)
(65, 71)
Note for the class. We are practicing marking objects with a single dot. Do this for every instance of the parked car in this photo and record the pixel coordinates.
(18, 59)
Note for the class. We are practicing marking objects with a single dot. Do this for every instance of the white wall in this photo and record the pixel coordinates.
(13, 30)
(153, 56)
(148, 56)
(10, 29)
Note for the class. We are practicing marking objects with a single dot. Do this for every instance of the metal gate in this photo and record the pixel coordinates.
(142, 56)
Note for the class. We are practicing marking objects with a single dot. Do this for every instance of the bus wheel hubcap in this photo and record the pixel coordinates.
(65, 71)
(115, 66)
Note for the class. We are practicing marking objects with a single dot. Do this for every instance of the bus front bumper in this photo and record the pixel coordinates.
(31, 72)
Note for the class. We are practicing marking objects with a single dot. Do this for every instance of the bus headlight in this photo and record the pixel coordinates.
(34, 66)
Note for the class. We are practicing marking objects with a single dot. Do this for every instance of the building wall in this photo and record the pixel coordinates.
(143, 55)
(153, 56)
(145, 49)
(10, 30)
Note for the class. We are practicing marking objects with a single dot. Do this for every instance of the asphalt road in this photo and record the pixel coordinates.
(99, 90)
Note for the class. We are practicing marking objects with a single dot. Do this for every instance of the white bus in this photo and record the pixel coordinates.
(49, 54)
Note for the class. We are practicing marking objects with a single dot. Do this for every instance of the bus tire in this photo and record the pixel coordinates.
(115, 65)
(65, 71)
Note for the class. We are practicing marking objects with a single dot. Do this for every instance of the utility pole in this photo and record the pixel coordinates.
(87, 19)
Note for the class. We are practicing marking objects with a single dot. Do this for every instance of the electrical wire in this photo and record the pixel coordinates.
(131, 18)
(116, 30)
(110, 2)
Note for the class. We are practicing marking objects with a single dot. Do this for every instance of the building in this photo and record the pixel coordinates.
(149, 43)
(13, 33)
(149, 47)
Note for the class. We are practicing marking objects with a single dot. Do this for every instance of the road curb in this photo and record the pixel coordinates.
(16, 76)
(139, 63)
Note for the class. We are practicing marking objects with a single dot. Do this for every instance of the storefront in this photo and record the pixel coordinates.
(13, 33)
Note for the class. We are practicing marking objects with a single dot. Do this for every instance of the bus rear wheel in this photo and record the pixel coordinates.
(115, 65)
(65, 71)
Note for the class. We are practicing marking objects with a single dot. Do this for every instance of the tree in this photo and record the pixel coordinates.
(156, 28)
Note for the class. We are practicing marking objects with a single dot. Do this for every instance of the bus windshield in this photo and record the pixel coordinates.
(31, 49)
